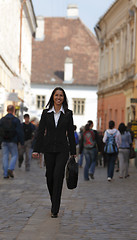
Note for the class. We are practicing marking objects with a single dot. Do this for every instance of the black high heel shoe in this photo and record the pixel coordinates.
(54, 215)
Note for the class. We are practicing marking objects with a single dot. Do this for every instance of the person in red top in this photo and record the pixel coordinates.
(88, 145)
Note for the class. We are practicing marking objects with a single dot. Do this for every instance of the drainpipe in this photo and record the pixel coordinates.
(20, 46)
(134, 57)
(134, 51)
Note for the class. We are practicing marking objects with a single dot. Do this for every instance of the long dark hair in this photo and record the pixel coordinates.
(87, 127)
(50, 103)
(122, 128)
(111, 124)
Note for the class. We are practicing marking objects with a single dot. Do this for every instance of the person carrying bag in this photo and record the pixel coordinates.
(56, 139)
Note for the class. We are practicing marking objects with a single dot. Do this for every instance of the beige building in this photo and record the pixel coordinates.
(17, 25)
(117, 84)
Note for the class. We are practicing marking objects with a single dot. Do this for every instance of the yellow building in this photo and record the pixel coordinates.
(116, 32)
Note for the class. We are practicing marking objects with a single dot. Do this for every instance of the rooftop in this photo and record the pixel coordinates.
(65, 37)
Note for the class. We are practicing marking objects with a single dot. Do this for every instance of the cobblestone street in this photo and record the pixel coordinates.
(96, 210)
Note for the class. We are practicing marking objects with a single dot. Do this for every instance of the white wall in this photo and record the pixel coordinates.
(89, 93)
(9, 32)
(10, 46)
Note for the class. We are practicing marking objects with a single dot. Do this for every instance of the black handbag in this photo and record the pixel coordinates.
(72, 173)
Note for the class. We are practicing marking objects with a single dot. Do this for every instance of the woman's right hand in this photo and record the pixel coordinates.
(35, 155)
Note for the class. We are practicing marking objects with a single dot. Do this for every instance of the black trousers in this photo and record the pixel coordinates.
(55, 169)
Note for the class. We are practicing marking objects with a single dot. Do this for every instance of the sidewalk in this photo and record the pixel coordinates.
(96, 210)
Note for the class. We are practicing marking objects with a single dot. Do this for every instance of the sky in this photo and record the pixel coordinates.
(90, 11)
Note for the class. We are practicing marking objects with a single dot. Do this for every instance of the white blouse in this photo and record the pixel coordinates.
(56, 114)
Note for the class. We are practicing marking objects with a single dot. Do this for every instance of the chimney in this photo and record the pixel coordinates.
(72, 11)
(40, 29)
(68, 70)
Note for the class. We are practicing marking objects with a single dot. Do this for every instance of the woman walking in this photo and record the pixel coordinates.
(124, 150)
(56, 135)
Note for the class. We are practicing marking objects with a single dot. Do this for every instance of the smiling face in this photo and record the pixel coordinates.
(58, 98)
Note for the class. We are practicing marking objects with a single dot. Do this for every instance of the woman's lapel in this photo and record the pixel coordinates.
(62, 118)
(51, 118)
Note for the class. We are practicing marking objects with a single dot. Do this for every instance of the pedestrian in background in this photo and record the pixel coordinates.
(129, 126)
(112, 140)
(40, 159)
(124, 151)
(95, 150)
(81, 155)
(76, 139)
(28, 129)
(101, 157)
(88, 146)
(10, 133)
(56, 135)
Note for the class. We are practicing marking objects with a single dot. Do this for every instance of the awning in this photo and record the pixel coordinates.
(13, 97)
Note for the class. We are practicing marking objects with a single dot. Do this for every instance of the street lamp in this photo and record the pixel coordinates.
(20, 47)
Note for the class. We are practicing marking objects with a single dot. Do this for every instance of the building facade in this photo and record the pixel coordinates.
(65, 54)
(117, 84)
(17, 25)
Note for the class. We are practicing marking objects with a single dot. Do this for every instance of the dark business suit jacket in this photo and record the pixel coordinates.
(55, 139)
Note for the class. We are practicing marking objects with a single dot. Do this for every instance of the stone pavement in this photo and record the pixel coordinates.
(96, 210)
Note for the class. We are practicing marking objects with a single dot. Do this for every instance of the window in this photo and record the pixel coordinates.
(78, 106)
(99, 123)
(122, 115)
(116, 115)
(106, 62)
(110, 114)
(40, 101)
(128, 114)
(102, 64)
(132, 45)
(105, 121)
(111, 59)
(125, 47)
(117, 54)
